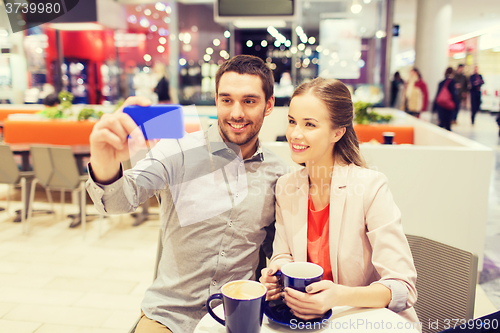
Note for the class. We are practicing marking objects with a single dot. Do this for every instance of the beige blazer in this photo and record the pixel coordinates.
(367, 242)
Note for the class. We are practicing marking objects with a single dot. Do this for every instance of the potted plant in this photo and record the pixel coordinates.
(364, 115)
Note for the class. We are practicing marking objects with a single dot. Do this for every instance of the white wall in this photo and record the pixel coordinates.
(442, 192)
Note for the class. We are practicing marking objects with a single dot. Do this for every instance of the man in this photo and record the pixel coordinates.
(462, 86)
(216, 190)
(476, 81)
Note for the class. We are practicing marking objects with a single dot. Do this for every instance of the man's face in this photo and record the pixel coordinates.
(460, 70)
(241, 108)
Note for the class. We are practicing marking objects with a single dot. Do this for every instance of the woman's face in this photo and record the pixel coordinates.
(309, 133)
(413, 75)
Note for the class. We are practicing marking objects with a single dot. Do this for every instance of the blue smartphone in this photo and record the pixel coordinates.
(160, 121)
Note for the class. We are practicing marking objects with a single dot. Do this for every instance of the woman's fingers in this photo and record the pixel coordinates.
(298, 296)
(305, 317)
(273, 294)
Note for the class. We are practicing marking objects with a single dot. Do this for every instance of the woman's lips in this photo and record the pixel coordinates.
(297, 148)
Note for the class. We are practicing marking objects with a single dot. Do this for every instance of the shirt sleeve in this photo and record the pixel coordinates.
(391, 255)
(281, 250)
(399, 294)
(135, 185)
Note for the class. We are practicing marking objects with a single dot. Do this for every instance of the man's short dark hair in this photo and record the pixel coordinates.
(460, 65)
(247, 64)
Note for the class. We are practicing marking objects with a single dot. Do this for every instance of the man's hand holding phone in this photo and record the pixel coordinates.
(120, 136)
(109, 141)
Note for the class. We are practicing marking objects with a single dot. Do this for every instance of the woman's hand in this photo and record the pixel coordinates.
(319, 298)
(271, 282)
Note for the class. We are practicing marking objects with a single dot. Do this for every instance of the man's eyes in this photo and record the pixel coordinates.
(227, 100)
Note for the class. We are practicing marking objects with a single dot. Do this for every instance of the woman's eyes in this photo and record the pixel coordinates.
(308, 124)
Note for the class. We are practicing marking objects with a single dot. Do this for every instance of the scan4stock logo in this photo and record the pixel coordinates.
(26, 14)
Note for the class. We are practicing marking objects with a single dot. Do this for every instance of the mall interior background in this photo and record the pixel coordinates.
(131, 43)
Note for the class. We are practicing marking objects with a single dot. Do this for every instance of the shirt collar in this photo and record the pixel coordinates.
(217, 144)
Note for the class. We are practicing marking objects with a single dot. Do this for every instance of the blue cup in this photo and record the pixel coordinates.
(243, 302)
(298, 275)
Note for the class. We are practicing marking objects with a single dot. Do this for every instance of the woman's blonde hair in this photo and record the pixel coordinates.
(337, 99)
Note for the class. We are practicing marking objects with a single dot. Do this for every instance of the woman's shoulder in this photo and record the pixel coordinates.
(365, 175)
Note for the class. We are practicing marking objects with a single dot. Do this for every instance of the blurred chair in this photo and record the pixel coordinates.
(446, 282)
(10, 174)
(55, 168)
(159, 250)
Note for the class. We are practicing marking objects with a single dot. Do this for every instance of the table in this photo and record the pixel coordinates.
(344, 318)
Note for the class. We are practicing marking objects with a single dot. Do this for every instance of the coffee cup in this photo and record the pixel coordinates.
(243, 303)
(388, 137)
(298, 275)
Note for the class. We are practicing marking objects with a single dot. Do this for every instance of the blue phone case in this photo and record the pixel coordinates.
(161, 121)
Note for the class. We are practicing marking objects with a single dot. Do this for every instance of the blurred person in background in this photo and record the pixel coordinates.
(462, 85)
(416, 96)
(498, 122)
(162, 89)
(397, 85)
(446, 115)
(476, 81)
(51, 100)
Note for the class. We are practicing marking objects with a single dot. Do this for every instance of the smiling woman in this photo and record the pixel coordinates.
(338, 214)
(326, 109)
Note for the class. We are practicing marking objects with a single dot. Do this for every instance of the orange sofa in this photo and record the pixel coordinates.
(4, 113)
(366, 133)
(56, 132)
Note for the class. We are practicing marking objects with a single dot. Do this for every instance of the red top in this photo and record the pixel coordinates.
(425, 94)
(318, 239)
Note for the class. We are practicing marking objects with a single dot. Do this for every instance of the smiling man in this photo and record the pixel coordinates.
(216, 190)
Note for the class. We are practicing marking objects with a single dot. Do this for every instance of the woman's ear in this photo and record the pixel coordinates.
(338, 134)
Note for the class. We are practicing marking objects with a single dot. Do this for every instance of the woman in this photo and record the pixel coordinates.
(416, 96)
(337, 213)
(447, 115)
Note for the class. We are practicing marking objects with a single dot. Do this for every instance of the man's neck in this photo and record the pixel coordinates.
(248, 149)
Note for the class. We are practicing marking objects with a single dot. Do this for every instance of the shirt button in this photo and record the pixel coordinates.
(236, 194)
(111, 190)
(214, 283)
(230, 223)
(222, 253)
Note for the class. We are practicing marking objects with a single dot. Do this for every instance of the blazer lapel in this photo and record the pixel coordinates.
(338, 194)
(299, 216)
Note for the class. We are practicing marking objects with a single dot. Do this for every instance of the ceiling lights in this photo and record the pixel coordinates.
(356, 7)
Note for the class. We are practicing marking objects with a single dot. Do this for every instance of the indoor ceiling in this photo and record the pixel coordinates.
(468, 16)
